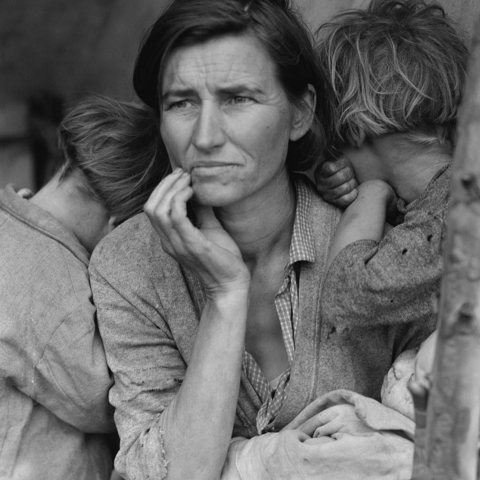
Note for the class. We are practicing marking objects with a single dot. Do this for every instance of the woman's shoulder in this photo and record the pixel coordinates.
(320, 213)
(133, 246)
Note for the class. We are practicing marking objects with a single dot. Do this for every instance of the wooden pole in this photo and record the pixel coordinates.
(453, 412)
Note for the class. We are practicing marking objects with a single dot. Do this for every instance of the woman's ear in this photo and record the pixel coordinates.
(303, 114)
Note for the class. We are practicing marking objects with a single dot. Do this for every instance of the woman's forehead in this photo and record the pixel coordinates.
(225, 60)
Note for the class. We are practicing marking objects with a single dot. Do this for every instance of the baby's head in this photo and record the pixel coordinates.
(395, 393)
(396, 67)
(410, 365)
(424, 361)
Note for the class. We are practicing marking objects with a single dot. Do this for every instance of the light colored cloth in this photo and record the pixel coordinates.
(398, 279)
(54, 379)
(148, 312)
(371, 442)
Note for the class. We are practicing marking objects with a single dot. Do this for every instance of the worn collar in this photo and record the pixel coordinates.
(302, 247)
(38, 219)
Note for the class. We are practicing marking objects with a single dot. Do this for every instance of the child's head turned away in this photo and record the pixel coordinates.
(398, 66)
(411, 365)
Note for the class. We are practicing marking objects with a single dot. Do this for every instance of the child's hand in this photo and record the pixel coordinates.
(336, 182)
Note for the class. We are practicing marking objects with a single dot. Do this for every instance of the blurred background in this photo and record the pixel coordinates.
(54, 52)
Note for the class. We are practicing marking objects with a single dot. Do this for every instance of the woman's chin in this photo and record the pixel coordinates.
(213, 196)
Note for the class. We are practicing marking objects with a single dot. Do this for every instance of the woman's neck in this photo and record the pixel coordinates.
(262, 229)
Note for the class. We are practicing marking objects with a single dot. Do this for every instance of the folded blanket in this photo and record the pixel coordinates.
(340, 436)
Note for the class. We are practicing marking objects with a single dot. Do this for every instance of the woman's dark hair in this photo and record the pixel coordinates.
(281, 32)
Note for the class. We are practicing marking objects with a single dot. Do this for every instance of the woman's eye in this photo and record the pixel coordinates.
(181, 104)
(239, 99)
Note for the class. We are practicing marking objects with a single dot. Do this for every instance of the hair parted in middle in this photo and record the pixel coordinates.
(280, 31)
(398, 66)
(113, 149)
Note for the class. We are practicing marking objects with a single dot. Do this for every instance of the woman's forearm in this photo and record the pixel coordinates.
(199, 421)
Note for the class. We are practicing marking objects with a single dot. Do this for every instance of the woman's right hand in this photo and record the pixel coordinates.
(208, 251)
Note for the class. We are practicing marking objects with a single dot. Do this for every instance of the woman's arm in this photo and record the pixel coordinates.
(199, 421)
(189, 426)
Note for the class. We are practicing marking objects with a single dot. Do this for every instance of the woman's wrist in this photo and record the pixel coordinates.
(236, 285)
(234, 293)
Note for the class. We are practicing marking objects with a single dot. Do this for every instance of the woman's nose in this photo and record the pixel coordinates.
(208, 132)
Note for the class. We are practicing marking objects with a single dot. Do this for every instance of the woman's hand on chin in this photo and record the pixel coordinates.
(208, 251)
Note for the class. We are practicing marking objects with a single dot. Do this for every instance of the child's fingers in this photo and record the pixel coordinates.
(343, 189)
(342, 196)
(332, 167)
(336, 182)
(338, 178)
(345, 200)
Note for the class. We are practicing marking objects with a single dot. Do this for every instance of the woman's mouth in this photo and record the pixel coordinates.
(213, 169)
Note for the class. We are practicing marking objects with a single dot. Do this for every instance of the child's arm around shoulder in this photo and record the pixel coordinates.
(364, 218)
(376, 278)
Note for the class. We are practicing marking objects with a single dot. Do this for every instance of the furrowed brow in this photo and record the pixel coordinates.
(238, 89)
(178, 92)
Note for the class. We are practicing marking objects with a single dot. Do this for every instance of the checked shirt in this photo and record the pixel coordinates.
(302, 249)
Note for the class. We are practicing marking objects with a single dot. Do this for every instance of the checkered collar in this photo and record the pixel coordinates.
(302, 247)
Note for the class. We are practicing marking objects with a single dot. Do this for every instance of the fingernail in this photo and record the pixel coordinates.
(177, 171)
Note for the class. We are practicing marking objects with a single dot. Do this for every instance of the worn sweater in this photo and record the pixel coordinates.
(396, 280)
(149, 308)
(54, 379)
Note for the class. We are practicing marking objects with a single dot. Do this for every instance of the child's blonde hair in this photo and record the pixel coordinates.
(398, 66)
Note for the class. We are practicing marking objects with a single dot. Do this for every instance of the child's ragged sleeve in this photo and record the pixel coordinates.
(391, 282)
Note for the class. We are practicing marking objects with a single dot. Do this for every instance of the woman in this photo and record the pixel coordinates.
(54, 379)
(211, 326)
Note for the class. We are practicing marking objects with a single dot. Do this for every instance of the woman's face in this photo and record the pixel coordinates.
(226, 119)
